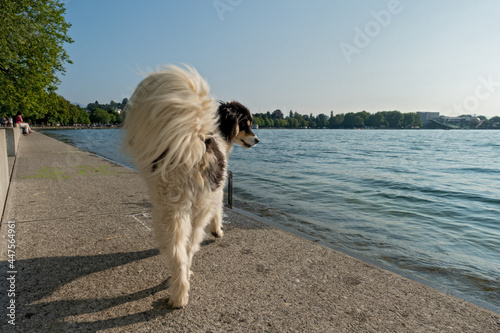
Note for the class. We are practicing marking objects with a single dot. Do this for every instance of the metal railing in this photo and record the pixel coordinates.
(230, 189)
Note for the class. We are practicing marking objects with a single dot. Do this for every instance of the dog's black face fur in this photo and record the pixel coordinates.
(235, 124)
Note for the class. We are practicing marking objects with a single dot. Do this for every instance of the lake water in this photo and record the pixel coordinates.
(423, 203)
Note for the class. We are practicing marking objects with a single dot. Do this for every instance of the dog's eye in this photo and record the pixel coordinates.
(246, 124)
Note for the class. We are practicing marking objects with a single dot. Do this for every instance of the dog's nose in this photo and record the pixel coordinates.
(256, 140)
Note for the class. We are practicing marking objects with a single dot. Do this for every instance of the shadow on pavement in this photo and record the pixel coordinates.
(39, 278)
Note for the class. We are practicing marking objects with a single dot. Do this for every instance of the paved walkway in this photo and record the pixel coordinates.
(85, 261)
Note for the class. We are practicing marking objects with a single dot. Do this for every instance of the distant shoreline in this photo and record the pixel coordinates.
(276, 128)
(72, 127)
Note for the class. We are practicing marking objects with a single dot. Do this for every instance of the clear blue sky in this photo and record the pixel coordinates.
(306, 56)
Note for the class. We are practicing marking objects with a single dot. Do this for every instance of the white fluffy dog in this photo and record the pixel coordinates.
(180, 141)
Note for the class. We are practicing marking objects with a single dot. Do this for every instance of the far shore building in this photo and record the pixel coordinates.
(426, 117)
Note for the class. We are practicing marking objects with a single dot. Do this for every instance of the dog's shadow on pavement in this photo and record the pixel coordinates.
(38, 278)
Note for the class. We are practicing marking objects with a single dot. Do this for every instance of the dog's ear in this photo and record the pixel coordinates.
(228, 121)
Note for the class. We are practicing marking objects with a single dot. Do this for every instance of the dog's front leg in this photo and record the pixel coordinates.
(216, 222)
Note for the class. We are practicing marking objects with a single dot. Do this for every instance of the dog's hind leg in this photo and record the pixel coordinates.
(216, 222)
(172, 233)
(196, 238)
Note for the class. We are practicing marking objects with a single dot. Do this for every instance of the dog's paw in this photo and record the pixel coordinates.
(178, 302)
(218, 233)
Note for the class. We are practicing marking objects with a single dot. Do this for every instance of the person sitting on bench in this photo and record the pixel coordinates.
(25, 126)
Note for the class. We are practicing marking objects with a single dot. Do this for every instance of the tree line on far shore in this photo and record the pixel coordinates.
(382, 119)
(61, 111)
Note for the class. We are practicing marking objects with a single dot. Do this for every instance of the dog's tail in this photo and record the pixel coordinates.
(167, 119)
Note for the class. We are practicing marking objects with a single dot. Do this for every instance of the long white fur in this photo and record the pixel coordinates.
(172, 109)
(172, 113)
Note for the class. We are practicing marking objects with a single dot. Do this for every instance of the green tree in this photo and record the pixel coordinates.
(321, 121)
(493, 122)
(100, 116)
(57, 110)
(73, 114)
(257, 120)
(394, 119)
(377, 120)
(112, 118)
(411, 119)
(119, 118)
(32, 36)
(83, 117)
(277, 114)
(60, 110)
(303, 123)
(359, 121)
(301, 119)
(336, 121)
(349, 121)
(293, 123)
(364, 115)
(268, 122)
(281, 123)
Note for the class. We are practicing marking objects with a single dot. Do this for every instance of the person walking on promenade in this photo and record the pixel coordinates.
(23, 125)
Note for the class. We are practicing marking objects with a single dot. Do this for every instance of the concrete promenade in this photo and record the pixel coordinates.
(85, 261)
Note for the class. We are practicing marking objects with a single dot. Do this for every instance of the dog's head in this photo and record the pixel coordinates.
(235, 124)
